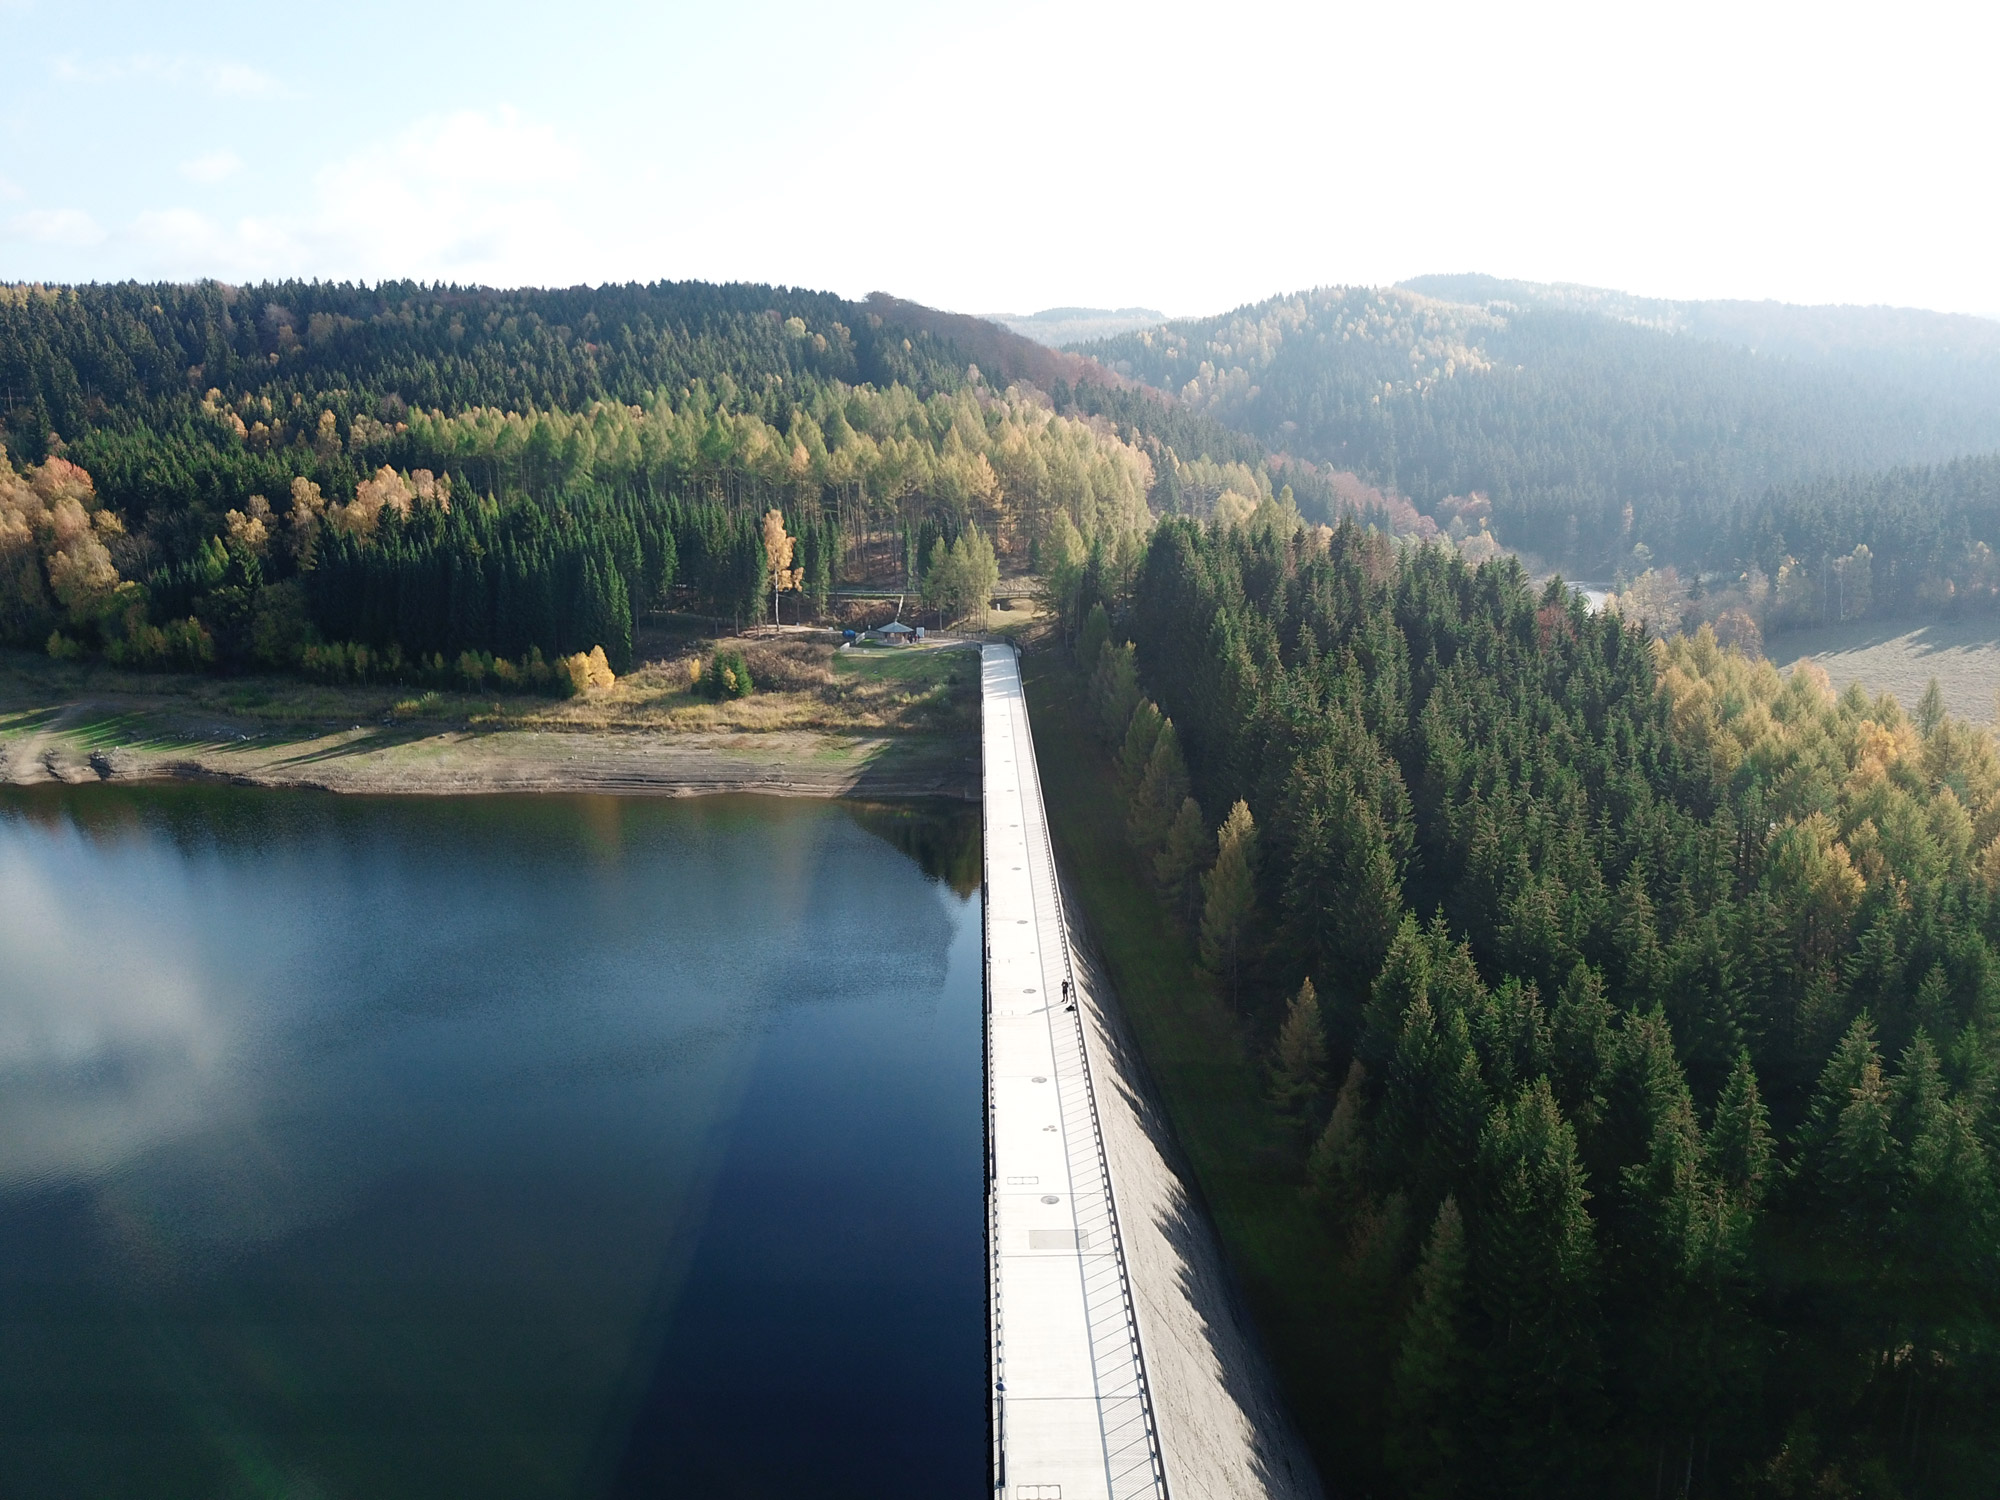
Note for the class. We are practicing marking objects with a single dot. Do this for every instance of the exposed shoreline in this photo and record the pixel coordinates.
(77, 744)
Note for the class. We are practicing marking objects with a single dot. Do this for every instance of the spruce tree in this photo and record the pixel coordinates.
(1425, 1443)
(1740, 1151)
(1114, 688)
(1848, 1165)
(1930, 709)
(1534, 1266)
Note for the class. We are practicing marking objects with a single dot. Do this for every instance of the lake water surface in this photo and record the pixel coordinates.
(557, 1146)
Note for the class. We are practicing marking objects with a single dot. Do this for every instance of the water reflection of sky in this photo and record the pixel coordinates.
(413, 1053)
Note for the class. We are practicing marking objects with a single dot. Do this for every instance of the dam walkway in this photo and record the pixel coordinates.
(1072, 1415)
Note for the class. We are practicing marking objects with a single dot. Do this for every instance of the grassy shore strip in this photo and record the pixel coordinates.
(1245, 1169)
(881, 724)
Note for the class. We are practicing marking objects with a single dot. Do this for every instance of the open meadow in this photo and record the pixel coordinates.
(1901, 657)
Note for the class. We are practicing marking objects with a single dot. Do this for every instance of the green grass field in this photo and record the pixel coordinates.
(1245, 1169)
(1901, 658)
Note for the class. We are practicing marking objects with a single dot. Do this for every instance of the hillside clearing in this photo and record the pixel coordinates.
(1901, 658)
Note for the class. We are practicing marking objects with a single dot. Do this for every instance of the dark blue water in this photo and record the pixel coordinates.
(487, 1147)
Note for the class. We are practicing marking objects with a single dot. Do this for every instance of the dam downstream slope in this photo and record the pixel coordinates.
(1122, 1365)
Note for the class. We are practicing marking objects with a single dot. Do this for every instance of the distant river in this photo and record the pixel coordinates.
(488, 1147)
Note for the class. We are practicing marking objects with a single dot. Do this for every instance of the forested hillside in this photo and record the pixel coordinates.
(1586, 430)
(1952, 357)
(1633, 1011)
(354, 479)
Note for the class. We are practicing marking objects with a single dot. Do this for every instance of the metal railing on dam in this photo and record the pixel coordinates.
(1072, 1415)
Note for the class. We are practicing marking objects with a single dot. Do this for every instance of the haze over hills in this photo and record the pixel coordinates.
(1949, 355)
(1782, 455)
(1059, 327)
(1587, 431)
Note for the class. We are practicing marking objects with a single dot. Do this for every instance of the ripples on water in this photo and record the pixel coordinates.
(553, 1146)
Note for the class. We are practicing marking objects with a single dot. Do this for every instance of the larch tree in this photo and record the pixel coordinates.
(1160, 792)
(1298, 1068)
(1230, 892)
(1096, 632)
(1178, 865)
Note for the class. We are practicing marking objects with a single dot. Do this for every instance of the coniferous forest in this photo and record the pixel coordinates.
(1630, 1011)
(1742, 444)
(354, 480)
(1631, 1008)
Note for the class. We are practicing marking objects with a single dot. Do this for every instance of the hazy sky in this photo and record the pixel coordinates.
(1011, 157)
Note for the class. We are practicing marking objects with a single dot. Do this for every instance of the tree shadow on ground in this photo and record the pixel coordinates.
(1205, 1281)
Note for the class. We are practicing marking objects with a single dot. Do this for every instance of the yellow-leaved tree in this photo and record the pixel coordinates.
(55, 569)
(779, 545)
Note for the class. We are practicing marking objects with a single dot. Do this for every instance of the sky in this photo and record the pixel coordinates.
(1009, 158)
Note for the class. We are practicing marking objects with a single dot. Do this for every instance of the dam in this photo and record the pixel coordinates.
(1123, 1362)
(1072, 1416)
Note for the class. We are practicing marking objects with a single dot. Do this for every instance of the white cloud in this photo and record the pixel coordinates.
(488, 196)
(70, 228)
(235, 80)
(212, 167)
(226, 80)
(181, 236)
(474, 195)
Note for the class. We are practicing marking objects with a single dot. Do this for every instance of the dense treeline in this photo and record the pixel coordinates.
(1634, 1008)
(1910, 540)
(77, 358)
(425, 472)
(1589, 435)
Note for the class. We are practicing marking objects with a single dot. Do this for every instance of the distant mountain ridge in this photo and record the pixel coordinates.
(1003, 354)
(1593, 421)
(1059, 327)
(1798, 330)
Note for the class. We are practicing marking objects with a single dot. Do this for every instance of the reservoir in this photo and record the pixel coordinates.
(550, 1146)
